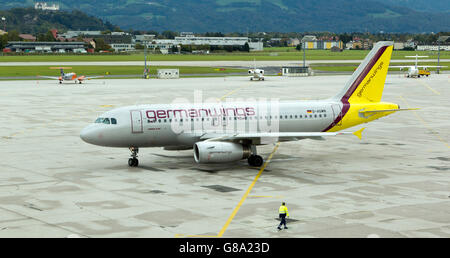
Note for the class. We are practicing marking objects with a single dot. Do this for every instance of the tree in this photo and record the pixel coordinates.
(3, 41)
(48, 37)
(13, 35)
(139, 46)
(246, 47)
(101, 45)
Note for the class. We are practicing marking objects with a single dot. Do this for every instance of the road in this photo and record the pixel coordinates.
(203, 63)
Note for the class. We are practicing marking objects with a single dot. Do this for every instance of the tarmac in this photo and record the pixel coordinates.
(393, 183)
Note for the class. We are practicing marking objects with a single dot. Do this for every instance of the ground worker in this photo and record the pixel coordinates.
(283, 211)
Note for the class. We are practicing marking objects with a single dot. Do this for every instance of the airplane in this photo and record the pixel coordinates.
(256, 74)
(69, 76)
(221, 132)
(414, 71)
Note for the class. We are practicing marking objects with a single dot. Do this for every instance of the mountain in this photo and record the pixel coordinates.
(29, 20)
(420, 5)
(265, 15)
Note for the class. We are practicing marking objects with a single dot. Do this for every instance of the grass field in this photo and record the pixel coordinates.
(22, 71)
(268, 54)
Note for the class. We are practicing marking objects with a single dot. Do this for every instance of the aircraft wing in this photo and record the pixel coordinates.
(280, 136)
(431, 66)
(400, 66)
(89, 77)
(50, 77)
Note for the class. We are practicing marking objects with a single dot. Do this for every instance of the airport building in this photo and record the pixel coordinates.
(24, 46)
(205, 41)
(443, 47)
(324, 44)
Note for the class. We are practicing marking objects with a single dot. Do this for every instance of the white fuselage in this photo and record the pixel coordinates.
(166, 125)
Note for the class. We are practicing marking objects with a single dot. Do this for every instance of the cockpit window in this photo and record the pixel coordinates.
(102, 120)
(113, 121)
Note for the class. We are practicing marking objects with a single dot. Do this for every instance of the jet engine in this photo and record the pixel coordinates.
(218, 152)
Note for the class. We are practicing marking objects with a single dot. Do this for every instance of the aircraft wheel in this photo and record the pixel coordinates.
(251, 79)
(133, 162)
(79, 82)
(255, 161)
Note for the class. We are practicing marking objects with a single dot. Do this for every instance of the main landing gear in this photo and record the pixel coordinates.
(133, 161)
(255, 160)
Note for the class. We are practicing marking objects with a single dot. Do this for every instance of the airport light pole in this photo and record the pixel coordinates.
(440, 39)
(304, 54)
(4, 24)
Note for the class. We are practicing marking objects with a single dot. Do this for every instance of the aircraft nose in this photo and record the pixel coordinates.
(88, 135)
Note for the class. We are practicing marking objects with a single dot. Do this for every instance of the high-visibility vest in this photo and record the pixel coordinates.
(283, 210)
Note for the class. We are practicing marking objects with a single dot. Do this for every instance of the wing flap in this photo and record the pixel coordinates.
(281, 136)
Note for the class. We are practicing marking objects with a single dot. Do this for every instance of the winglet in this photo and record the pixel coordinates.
(359, 133)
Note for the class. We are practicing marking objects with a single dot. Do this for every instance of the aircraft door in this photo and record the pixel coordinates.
(337, 114)
(136, 121)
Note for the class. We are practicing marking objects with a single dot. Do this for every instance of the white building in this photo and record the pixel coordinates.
(46, 6)
(399, 45)
(433, 47)
(122, 47)
(144, 39)
(168, 73)
(75, 33)
(206, 41)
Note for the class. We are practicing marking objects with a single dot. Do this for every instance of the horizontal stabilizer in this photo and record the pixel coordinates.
(359, 133)
(386, 110)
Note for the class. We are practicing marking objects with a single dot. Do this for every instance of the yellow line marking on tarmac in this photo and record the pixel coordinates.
(236, 209)
(429, 87)
(435, 133)
(233, 91)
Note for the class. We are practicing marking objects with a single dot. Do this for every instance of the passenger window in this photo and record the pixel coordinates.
(296, 117)
(113, 121)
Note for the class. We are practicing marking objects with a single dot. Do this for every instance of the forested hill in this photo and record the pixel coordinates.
(264, 15)
(29, 20)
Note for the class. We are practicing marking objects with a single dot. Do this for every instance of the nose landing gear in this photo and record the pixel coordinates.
(133, 161)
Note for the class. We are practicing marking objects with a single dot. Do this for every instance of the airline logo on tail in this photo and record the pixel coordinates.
(365, 88)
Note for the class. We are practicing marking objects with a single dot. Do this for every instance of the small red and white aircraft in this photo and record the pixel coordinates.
(69, 76)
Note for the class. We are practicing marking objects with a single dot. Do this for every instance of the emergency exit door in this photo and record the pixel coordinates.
(136, 121)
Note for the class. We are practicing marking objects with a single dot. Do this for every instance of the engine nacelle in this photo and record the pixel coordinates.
(218, 152)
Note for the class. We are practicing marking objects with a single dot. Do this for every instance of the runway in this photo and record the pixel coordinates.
(393, 183)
